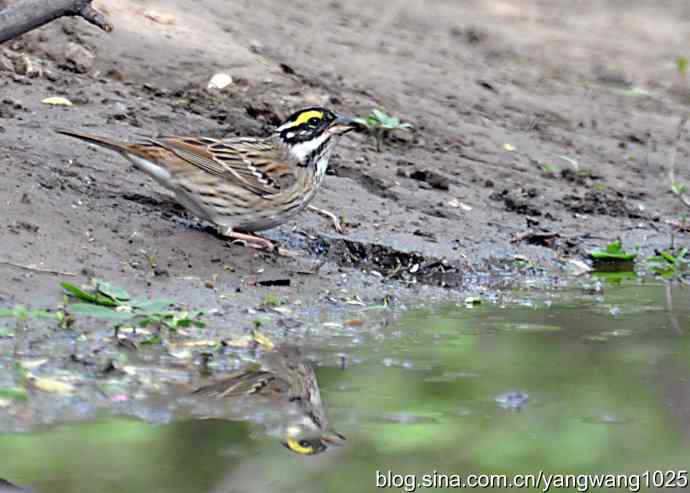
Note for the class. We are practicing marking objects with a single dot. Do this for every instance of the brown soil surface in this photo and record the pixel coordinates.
(550, 116)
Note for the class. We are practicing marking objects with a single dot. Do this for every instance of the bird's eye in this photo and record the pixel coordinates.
(314, 122)
(304, 443)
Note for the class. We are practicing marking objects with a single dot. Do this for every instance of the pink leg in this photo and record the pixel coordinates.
(253, 241)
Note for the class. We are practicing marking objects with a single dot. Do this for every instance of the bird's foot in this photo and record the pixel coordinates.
(256, 242)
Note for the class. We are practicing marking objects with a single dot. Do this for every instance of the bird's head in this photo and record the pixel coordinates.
(315, 444)
(311, 131)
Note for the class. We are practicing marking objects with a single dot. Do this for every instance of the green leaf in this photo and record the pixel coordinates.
(151, 306)
(363, 121)
(668, 257)
(151, 340)
(6, 312)
(111, 291)
(15, 394)
(678, 188)
(41, 313)
(390, 122)
(601, 255)
(614, 247)
(79, 293)
(98, 311)
(21, 312)
(614, 252)
(98, 298)
(5, 332)
(380, 116)
(667, 265)
(682, 65)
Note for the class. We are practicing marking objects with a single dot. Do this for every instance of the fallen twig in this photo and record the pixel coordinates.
(678, 190)
(26, 15)
(37, 269)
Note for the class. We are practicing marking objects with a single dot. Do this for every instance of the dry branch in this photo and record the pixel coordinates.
(25, 15)
(37, 269)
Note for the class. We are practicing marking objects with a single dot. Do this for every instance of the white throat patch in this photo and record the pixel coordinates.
(303, 149)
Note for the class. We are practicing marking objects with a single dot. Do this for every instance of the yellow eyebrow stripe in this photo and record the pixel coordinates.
(307, 115)
(296, 447)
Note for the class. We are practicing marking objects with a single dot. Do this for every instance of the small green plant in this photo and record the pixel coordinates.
(613, 258)
(22, 315)
(104, 301)
(613, 252)
(669, 264)
(549, 169)
(380, 124)
(100, 293)
(13, 394)
(678, 188)
(271, 300)
(172, 320)
(682, 66)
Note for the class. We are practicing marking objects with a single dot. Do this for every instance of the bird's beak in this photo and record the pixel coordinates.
(343, 124)
(332, 438)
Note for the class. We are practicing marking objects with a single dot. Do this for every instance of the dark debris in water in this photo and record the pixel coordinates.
(514, 400)
(395, 264)
(7, 487)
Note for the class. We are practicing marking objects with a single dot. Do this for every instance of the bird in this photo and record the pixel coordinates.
(242, 185)
(282, 378)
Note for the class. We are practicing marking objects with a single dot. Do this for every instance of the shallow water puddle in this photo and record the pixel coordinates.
(572, 382)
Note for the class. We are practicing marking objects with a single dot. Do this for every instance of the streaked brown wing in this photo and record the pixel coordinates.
(246, 383)
(257, 165)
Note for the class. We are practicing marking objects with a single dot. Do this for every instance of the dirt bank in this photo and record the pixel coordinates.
(535, 115)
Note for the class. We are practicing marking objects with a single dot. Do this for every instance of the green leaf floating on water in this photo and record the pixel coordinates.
(613, 252)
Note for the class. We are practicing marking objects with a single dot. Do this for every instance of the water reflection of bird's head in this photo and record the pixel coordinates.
(7, 487)
(283, 379)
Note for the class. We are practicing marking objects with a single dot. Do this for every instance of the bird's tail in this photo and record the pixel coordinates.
(94, 139)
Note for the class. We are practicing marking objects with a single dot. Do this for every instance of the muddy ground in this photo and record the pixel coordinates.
(544, 116)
